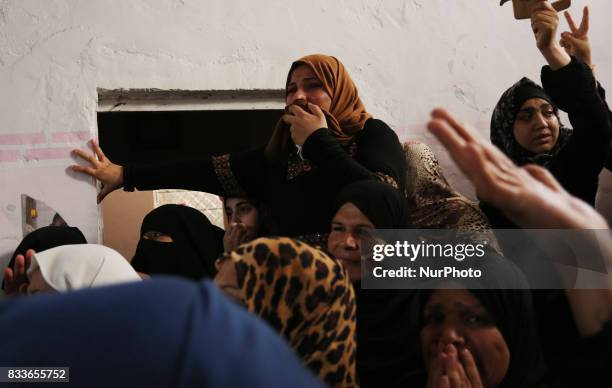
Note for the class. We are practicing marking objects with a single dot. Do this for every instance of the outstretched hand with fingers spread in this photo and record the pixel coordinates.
(530, 196)
(100, 167)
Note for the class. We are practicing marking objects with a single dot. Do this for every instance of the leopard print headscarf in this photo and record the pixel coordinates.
(307, 297)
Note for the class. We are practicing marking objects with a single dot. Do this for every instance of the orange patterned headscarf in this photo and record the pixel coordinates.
(347, 114)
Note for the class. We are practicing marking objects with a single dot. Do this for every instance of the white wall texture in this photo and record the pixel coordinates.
(406, 57)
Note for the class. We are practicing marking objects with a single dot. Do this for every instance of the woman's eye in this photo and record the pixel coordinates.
(477, 320)
(314, 85)
(290, 90)
(548, 113)
(337, 228)
(524, 117)
(367, 233)
(244, 209)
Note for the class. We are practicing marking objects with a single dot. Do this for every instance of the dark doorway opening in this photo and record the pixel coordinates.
(133, 137)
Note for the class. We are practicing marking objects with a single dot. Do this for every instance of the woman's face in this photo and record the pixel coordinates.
(349, 230)
(304, 87)
(536, 127)
(457, 317)
(240, 210)
(157, 236)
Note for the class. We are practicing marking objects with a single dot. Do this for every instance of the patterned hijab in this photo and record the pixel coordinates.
(347, 114)
(502, 124)
(307, 297)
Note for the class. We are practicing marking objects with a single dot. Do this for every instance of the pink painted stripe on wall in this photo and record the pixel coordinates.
(22, 138)
(9, 156)
(65, 137)
(47, 153)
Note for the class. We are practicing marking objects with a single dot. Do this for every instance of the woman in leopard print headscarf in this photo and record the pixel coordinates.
(305, 295)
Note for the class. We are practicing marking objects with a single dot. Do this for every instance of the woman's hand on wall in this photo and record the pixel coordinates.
(544, 23)
(304, 123)
(100, 167)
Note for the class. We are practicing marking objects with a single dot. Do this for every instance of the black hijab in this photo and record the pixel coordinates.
(380, 202)
(47, 237)
(385, 342)
(505, 295)
(502, 124)
(196, 243)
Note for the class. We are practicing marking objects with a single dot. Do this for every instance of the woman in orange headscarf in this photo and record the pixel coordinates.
(325, 140)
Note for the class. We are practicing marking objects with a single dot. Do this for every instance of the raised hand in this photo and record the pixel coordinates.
(16, 281)
(544, 23)
(303, 123)
(576, 41)
(100, 167)
(530, 196)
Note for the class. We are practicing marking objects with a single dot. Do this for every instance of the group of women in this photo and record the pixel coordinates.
(299, 210)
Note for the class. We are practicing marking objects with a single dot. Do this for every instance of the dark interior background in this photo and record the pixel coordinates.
(133, 137)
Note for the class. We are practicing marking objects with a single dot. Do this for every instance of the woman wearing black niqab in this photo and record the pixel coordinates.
(196, 243)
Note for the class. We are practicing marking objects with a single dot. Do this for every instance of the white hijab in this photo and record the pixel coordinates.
(70, 267)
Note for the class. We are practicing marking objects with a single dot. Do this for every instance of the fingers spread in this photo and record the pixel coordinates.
(86, 170)
(584, 24)
(447, 136)
(462, 130)
(570, 21)
(85, 155)
(98, 151)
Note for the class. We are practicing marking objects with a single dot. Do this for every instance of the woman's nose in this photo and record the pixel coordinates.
(299, 96)
(350, 241)
(540, 120)
(451, 335)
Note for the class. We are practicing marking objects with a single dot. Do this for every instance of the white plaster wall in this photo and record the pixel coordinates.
(406, 56)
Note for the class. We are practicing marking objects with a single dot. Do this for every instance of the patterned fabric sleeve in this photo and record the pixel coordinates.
(434, 204)
(226, 178)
